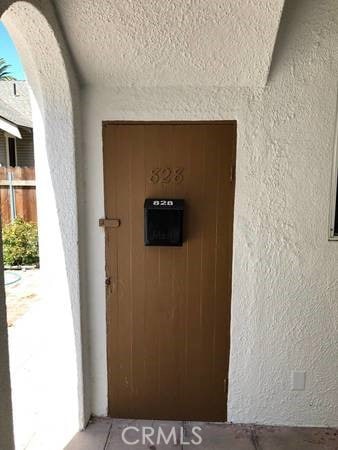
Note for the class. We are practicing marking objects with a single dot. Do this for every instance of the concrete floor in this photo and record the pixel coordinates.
(106, 434)
(33, 374)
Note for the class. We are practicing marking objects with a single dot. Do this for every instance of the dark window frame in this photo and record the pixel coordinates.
(333, 213)
(12, 160)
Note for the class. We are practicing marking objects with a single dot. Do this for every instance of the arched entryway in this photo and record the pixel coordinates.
(36, 34)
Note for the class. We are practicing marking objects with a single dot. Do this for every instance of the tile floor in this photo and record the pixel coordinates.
(106, 434)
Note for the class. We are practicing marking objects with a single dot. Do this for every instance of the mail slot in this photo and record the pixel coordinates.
(163, 221)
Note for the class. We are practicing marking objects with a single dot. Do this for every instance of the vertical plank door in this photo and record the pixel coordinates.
(168, 308)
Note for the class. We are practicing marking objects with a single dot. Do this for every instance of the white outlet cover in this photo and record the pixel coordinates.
(298, 380)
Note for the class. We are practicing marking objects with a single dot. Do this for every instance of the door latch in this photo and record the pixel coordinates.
(109, 223)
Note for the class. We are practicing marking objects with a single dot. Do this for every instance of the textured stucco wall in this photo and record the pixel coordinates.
(285, 283)
(284, 306)
(172, 42)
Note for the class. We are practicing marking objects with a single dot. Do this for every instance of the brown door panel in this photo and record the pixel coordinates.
(168, 308)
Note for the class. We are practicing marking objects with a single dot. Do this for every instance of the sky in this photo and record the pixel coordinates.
(9, 53)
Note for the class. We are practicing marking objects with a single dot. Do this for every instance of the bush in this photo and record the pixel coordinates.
(20, 243)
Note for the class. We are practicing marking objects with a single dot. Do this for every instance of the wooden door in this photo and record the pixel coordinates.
(168, 308)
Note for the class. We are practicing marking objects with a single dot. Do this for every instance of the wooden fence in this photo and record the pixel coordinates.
(17, 193)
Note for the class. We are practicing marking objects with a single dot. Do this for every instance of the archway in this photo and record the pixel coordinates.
(35, 32)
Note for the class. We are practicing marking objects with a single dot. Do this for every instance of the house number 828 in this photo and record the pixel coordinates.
(167, 175)
(163, 203)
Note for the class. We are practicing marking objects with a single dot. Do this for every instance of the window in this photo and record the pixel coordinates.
(333, 226)
(11, 152)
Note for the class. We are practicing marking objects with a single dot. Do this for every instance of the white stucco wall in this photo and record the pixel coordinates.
(158, 43)
(284, 306)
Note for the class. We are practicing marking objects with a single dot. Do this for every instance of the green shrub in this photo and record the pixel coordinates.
(20, 243)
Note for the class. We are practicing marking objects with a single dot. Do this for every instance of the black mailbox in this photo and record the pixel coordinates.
(163, 222)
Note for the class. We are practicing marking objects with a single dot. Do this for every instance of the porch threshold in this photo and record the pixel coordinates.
(107, 434)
